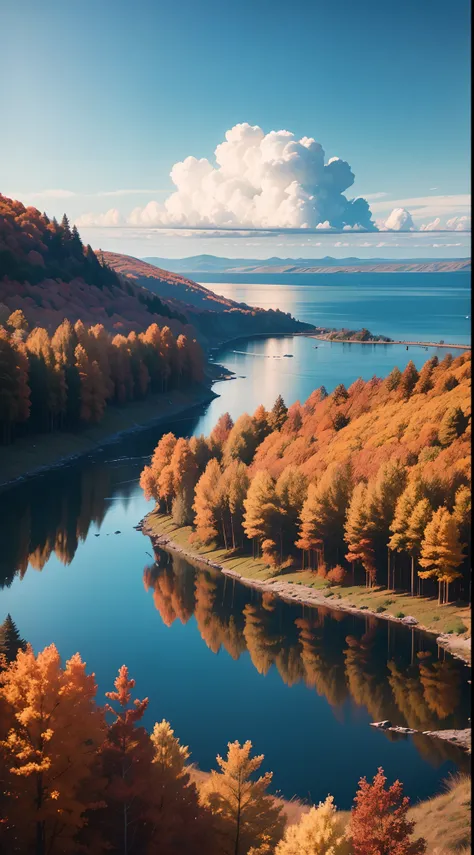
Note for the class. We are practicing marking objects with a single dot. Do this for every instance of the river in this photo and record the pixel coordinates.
(213, 658)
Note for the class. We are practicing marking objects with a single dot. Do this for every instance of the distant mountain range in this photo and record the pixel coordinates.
(197, 264)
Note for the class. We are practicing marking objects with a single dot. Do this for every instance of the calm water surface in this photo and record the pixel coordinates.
(214, 658)
(408, 306)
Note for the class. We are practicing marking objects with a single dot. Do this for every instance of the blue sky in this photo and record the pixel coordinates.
(104, 96)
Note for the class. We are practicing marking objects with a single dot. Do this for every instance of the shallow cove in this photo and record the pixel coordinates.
(302, 684)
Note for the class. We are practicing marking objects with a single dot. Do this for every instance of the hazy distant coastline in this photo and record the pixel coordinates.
(212, 264)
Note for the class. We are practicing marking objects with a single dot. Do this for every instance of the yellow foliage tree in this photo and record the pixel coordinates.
(441, 552)
(318, 832)
(250, 817)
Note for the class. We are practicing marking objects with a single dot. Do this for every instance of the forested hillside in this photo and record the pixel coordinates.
(201, 305)
(372, 480)
(47, 272)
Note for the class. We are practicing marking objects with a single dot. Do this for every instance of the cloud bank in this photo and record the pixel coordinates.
(277, 182)
(259, 181)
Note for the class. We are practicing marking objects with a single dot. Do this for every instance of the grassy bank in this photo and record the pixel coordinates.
(32, 454)
(451, 621)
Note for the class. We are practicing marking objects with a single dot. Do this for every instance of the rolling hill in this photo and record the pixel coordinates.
(200, 305)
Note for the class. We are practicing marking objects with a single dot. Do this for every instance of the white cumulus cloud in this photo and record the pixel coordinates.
(459, 224)
(259, 180)
(431, 227)
(398, 221)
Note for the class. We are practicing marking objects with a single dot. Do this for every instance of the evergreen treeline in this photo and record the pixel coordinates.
(374, 477)
(47, 272)
(78, 777)
(58, 382)
(34, 248)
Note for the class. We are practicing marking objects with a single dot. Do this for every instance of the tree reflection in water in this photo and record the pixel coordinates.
(390, 672)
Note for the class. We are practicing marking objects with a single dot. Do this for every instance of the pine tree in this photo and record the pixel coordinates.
(278, 414)
(358, 531)
(93, 389)
(261, 509)
(441, 552)
(379, 822)
(318, 832)
(126, 761)
(178, 822)
(10, 640)
(393, 380)
(220, 432)
(76, 247)
(233, 487)
(249, 816)
(340, 394)
(425, 380)
(408, 380)
(242, 441)
(291, 488)
(262, 422)
(66, 229)
(185, 475)
(206, 504)
(453, 425)
(420, 518)
(324, 511)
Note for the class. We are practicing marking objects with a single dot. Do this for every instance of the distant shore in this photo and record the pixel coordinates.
(392, 341)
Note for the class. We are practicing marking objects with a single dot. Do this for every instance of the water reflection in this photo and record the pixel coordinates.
(388, 671)
(37, 523)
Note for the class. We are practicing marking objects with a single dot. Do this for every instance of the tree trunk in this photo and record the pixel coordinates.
(40, 840)
(237, 830)
(413, 575)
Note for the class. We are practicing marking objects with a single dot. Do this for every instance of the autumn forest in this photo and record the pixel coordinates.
(370, 480)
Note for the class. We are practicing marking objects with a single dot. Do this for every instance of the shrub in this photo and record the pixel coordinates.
(400, 614)
(329, 594)
(387, 602)
(337, 575)
(380, 609)
(322, 570)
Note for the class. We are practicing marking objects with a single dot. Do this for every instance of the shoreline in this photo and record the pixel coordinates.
(306, 596)
(407, 343)
(94, 438)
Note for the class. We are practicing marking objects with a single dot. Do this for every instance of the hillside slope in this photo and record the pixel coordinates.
(47, 273)
(201, 305)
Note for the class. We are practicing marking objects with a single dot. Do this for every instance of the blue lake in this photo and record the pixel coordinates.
(408, 306)
(302, 684)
